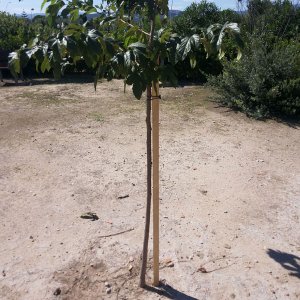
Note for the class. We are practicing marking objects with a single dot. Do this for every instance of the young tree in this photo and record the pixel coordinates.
(146, 56)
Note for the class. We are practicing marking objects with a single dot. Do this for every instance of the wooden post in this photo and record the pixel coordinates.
(155, 164)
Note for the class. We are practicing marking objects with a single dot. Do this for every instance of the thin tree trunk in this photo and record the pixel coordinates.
(149, 160)
(149, 190)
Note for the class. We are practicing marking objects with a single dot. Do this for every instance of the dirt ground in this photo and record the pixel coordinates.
(230, 197)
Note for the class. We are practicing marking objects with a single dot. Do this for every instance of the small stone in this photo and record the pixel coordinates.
(170, 265)
(227, 246)
(57, 292)
(107, 284)
(108, 290)
(202, 270)
(131, 259)
(3, 273)
(31, 237)
(130, 268)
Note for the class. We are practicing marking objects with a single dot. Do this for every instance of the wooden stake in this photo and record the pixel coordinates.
(155, 164)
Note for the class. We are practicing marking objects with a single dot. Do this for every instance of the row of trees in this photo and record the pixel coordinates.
(269, 29)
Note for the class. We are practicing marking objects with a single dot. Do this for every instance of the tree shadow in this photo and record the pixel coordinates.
(290, 121)
(43, 80)
(288, 261)
(168, 292)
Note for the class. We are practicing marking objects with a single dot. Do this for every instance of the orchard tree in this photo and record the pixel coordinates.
(146, 56)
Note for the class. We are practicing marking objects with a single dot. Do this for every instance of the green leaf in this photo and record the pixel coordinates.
(167, 74)
(74, 15)
(239, 56)
(45, 65)
(91, 10)
(53, 9)
(138, 45)
(187, 45)
(193, 61)
(14, 64)
(128, 59)
(137, 89)
(72, 47)
(43, 3)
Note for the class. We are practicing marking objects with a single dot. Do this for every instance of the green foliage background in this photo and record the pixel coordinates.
(13, 32)
(264, 83)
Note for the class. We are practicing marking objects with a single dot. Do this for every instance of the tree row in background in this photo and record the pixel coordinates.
(263, 83)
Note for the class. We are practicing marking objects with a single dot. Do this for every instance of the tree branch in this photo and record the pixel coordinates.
(139, 29)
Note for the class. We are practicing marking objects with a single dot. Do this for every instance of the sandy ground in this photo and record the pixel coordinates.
(230, 189)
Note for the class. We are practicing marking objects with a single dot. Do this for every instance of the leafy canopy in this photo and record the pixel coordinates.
(141, 57)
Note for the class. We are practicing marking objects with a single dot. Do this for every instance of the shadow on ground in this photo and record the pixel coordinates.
(288, 261)
(169, 292)
(77, 78)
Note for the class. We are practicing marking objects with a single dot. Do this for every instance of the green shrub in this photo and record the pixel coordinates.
(13, 31)
(280, 18)
(265, 82)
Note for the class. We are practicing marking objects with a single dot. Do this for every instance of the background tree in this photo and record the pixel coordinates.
(193, 19)
(13, 33)
(266, 81)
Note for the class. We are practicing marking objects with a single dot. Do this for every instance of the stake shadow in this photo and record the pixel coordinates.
(169, 292)
(288, 261)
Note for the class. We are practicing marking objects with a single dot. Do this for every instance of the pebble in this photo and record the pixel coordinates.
(227, 246)
(107, 284)
(170, 264)
(57, 292)
(108, 290)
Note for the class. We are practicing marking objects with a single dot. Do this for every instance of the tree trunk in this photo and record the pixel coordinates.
(149, 188)
(149, 158)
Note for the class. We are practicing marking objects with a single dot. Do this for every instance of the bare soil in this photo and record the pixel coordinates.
(230, 189)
